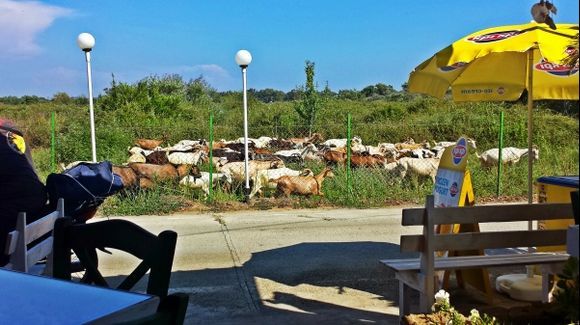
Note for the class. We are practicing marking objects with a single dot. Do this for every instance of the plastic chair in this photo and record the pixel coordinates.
(156, 252)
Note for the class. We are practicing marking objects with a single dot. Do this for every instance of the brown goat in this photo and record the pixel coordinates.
(148, 144)
(334, 157)
(314, 138)
(185, 170)
(303, 185)
(357, 160)
(157, 172)
(157, 158)
(128, 176)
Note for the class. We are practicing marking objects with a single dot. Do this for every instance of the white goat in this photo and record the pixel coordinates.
(237, 169)
(261, 142)
(203, 181)
(309, 152)
(341, 143)
(509, 155)
(189, 158)
(420, 167)
(445, 144)
(266, 179)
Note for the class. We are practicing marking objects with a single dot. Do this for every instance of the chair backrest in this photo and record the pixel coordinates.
(575, 198)
(24, 258)
(155, 252)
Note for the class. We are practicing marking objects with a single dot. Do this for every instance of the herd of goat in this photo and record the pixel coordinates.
(268, 159)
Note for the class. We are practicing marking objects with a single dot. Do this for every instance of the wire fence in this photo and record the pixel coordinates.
(289, 161)
(344, 162)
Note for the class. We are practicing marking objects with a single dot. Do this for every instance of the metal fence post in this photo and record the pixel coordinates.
(348, 153)
(210, 194)
(52, 143)
(499, 164)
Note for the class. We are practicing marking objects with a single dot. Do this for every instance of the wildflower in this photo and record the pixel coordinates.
(442, 297)
(474, 316)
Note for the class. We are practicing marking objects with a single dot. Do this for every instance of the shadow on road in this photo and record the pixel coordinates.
(322, 283)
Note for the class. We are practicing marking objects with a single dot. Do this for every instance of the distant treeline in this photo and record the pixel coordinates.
(196, 88)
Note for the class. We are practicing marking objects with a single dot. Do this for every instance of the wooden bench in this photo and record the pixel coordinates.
(24, 258)
(419, 273)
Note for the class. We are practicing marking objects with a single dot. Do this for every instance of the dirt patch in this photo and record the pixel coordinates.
(290, 203)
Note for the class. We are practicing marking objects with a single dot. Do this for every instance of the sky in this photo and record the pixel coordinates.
(354, 43)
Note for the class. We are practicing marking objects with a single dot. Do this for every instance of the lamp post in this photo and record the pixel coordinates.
(243, 59)
(86, 42)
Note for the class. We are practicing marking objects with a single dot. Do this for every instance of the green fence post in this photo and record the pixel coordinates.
(499, 164)
(210, 195)
(348, 149)
(52, 143)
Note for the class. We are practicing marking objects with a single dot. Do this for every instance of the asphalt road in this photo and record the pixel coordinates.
(316, 266)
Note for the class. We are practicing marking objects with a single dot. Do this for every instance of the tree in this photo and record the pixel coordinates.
(268, 95)
(351, 94)
(310, 103)
(61, 98)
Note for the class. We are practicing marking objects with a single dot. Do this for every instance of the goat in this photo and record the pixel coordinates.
(267, 178)
(509, 156)
(157, 172)
(470, 143)
(411, 145)
(300, 142)
(202, 182)
(229, 154)
(281, 144)
(334, 157)
(148, 144)
(187, 145)
(237, 168)
(358, 160)
(261, 142)
(189, 158)
(157, 158)
(298, 155)
(341, 143)
(303, 185)
(420, 167)
(240, 146)
(128, 177)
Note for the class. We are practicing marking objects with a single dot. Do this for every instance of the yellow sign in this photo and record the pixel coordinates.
(453, 188)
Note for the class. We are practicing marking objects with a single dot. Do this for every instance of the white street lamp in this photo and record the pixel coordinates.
(243, 59)
(86, 42)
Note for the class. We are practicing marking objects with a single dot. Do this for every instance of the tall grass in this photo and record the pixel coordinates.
(375, 121)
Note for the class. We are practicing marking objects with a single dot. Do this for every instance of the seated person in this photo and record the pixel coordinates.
(20, 188)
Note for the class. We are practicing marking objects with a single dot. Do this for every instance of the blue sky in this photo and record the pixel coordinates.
(354, 43)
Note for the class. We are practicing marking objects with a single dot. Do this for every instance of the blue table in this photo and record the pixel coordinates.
(31, 299)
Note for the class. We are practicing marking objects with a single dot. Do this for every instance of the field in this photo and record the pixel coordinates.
(173, 114)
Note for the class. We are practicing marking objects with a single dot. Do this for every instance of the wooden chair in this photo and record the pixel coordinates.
(155, 252)
(24, 258)
(575, 199)
(171, 311)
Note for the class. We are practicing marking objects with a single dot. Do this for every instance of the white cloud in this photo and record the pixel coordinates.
(214, 74)
(21, 22)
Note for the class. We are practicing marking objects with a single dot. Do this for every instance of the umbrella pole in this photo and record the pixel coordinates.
(529, 268)
(530, 106)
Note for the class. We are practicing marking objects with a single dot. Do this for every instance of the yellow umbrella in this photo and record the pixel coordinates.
(498, 64)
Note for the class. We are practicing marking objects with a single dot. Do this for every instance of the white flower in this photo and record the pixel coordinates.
(474, 315)
(442, 297)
